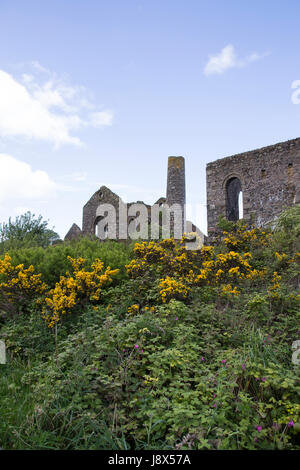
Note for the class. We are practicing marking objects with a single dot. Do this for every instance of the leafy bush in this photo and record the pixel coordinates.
(52, 262)
(189, 350)
(74, 290)
(25, 231)
(18, 286)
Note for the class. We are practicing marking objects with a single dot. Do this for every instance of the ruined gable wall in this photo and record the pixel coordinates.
(105, 196)
(102, 196)
(74, 233)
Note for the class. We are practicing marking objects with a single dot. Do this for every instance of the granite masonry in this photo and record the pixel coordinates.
(176, 189)
(266, 181)
(175, 198)
(255, 186)
(73, 233)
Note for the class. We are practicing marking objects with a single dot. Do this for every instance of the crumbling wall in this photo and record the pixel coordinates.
(269, 178)
(89, 217)
(105, 196)
(74, 233)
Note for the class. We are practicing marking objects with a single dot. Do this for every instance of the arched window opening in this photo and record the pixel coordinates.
(97, 220)
(234, 199)
(241, 209)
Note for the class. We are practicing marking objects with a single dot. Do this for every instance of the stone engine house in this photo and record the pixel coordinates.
(259, 183)
(175, 195)
(255, 186)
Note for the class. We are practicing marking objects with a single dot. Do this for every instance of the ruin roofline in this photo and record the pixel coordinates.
(105, 188)
(267, 148)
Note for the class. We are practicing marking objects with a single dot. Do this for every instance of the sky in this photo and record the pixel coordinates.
(101, 92)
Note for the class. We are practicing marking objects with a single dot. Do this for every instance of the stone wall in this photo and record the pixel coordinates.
(128, 221)
(175, 195)
(74, 233)
(176, 189)
(103, 196)
(269, 178)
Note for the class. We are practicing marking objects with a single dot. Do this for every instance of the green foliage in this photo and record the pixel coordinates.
(25, 231)
(133, 372)
(287, 230)
(27, 337)
(180, 376)
(53, 262)
(226, 225)
(289, 221)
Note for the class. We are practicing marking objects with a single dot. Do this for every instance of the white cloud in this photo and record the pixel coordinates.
(50, 111)
(227, 59)
(19, 182)
(39, 67)
(103, 118)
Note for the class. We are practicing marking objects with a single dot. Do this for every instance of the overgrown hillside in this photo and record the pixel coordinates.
(153, 346)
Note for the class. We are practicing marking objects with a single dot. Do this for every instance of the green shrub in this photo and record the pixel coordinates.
(133, 372)
(53, 262)
(25, 231)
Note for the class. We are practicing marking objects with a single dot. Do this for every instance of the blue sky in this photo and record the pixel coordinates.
(99, 92)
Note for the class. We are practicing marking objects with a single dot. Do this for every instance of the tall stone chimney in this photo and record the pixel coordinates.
(176, 190)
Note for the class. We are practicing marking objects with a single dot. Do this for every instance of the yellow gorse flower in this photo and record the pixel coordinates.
(18, 283)
(172, 289)
(180, 269)
(72, 289)
(274, 289)
(133, 309)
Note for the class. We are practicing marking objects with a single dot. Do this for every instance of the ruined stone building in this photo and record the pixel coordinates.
(259, 183)
(255, 186)
(94, 209)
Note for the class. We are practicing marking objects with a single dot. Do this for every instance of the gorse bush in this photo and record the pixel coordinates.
(18, 286)
(178, 349)
(52, 262)
(76, 289)
(176, 270)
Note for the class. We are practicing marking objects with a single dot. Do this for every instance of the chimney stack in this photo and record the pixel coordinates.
(176, 186)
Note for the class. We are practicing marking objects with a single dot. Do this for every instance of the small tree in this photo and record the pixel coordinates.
(26, 230)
